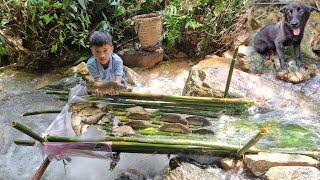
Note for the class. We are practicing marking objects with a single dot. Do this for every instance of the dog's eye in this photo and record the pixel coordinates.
(291, 11)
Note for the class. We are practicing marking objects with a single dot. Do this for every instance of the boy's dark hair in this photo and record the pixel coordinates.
(100, 38)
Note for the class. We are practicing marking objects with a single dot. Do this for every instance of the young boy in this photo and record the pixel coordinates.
(104, 64)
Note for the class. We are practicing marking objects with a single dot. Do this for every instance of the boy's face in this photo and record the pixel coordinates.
(102, 53)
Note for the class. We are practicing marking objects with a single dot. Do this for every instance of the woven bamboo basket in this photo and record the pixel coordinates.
(149, 28)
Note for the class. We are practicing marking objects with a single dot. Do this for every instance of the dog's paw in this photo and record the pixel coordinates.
(301, 65)
(284, 66)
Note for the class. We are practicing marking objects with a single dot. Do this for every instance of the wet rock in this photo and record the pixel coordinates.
(259, 164)
(140, 58)
(189, 171)
(296, 75)
(292, 172)
(132, 77)
(131, 174)
(66, 83)
(137, 112)
(231, 164)
(208, 78)
(81, 69)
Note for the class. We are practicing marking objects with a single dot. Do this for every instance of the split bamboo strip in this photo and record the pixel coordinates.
(41, 169)
(21, 142)
(27, 131)
(41, 112)
(253, 141)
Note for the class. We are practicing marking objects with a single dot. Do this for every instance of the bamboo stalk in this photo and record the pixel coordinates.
(216, 146)
(41, 169)
(58, 92)
(253, 141)
(233, 61)
(27, 131)
(41, 112)
(184, 98)
(21, 142)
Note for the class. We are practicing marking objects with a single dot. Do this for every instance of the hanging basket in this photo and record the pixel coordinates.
(149, 28)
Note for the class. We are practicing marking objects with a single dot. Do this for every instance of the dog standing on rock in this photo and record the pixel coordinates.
(287, 32)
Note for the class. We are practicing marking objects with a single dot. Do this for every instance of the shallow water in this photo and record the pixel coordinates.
(289, 127)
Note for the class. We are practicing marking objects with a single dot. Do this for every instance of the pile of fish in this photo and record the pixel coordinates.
(84, 115)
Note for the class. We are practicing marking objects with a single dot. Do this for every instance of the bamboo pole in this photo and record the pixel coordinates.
(21, 142)
(41, 112)
(165, 141)
(27, 131)
(184, 98)
(41, 169)
(253, 141)
(233, 61)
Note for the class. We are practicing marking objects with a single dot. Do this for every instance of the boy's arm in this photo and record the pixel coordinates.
(118, 66)
(93, 71)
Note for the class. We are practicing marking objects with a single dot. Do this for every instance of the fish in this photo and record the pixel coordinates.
(139, 124)
(176, 128)
(198, 121)
(137, 112)
(76, 123)
(105, 86)
(89, 111)
(173, 118)
(94, 118)
(123, 131)
(79, 106)
(203, 130)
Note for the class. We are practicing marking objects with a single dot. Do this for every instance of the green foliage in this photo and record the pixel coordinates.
(51, 29)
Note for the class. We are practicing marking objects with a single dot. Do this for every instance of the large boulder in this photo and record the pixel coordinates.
(292, 172)
(259, 164)
(209, 77)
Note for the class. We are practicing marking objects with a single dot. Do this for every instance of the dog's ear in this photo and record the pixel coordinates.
(311, 8)
(283, 9)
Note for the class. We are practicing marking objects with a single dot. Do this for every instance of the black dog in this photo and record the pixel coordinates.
(284, 33)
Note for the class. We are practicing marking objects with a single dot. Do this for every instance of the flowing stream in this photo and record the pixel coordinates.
(290, 129)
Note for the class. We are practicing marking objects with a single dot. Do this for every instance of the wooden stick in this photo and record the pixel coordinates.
(27, 131)
(41, 169)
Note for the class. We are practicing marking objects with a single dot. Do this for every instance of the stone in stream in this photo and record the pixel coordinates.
(198, 121)
(176, 128)
(187, 171)
(293, 172)
(232, 164)
(139, 124)
(173, 118)
(137, 112)
(203, 130)
(104, 120)
(260, 163)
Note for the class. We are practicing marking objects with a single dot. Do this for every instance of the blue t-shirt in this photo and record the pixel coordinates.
(115, 68)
